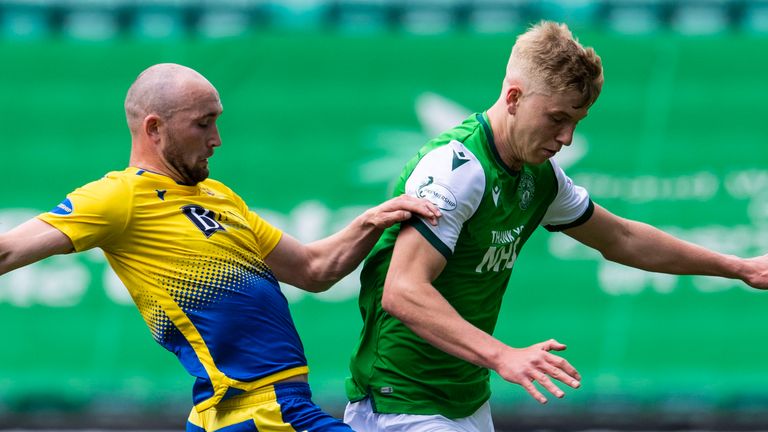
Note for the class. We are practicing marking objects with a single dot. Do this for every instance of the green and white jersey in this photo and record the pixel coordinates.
(489, 211)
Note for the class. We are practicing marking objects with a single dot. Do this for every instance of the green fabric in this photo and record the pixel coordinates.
(403, 373)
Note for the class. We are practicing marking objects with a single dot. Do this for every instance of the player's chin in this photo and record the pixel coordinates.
(540, 159)
(199, 174)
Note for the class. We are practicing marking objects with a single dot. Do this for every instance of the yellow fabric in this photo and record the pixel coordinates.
(259, 406)
(253, 385)
(163, 257)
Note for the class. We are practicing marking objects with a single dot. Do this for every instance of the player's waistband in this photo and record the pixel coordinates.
(266, 394)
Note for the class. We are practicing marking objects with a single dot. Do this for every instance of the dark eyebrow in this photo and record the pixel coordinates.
(567, 114)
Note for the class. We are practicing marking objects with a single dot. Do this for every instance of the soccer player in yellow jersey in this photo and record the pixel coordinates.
(201, 267)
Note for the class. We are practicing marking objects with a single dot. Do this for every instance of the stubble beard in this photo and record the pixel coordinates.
(190, 174)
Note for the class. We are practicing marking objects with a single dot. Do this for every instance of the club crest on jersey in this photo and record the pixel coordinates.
(204, 219)
(437, 194)
(64, 208)
(526, 190)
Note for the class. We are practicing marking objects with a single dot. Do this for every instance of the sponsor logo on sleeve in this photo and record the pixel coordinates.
(64, 208)
(437, 194)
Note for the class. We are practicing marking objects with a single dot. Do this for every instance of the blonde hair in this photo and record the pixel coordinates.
(548, 58)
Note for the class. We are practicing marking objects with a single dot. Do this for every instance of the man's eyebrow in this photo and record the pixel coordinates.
(209, 114)
(566, 113)
(560, 112)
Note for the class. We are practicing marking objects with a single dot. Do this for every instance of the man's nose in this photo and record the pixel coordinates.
(216, 138)
(565, 136)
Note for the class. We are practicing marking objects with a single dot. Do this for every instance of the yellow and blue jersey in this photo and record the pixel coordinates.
(192, 258)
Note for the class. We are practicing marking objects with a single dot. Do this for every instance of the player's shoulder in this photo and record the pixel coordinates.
(112, 180)
(468, 132)
(452, 158)
(551, 171)
(217, 186)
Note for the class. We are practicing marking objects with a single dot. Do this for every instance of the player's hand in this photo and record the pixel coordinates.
(756, 272)
(400, 209)
(535, 363)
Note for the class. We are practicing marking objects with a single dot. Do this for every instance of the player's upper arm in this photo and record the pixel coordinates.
(94, 215)
(288, 259)
(414, 266)
(30, 242)
(452, 178)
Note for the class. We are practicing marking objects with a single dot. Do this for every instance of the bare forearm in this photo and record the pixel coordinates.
(336, 256)
(651, 249)
(326, 261)
(11, 261)
(433, 319)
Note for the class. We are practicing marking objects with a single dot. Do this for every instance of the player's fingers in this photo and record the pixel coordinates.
(386, 219)
(401, 215)
(547, 383)
(562, 376)
(533, 391)
(560, 369)
(552, 345)
(419, 206)
(427, 210)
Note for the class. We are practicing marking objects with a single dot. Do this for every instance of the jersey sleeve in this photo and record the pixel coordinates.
(571, 206)
(92, 215)
(452, 178)
(267, 235)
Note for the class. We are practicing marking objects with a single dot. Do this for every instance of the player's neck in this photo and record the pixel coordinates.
(501, 136)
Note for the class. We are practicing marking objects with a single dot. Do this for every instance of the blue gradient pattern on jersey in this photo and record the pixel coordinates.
(242, 316)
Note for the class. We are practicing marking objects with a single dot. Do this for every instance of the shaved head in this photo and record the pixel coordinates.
(162, 89)
(171, 111)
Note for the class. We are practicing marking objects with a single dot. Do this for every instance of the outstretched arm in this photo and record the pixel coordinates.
(410, 297)
(318, 265)
(642, 246)
(30, 242)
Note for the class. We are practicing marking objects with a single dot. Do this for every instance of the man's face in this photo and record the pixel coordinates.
(191, 135)
(544, 123)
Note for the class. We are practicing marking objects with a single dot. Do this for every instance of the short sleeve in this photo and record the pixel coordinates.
(571, 206)
(92, 215)
(452, 178)
(267, 235)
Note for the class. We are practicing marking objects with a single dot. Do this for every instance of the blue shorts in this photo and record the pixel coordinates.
(282, 407)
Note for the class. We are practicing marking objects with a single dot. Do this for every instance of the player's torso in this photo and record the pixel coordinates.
(511, 206)
(181, 223)
(194, 265)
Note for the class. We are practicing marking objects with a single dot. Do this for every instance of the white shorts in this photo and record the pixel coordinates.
(360, 416)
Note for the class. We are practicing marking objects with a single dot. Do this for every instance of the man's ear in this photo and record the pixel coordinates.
(151, 125)
(512, 97)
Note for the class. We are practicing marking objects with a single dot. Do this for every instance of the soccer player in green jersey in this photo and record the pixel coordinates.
(431, 295)
(202, 268)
